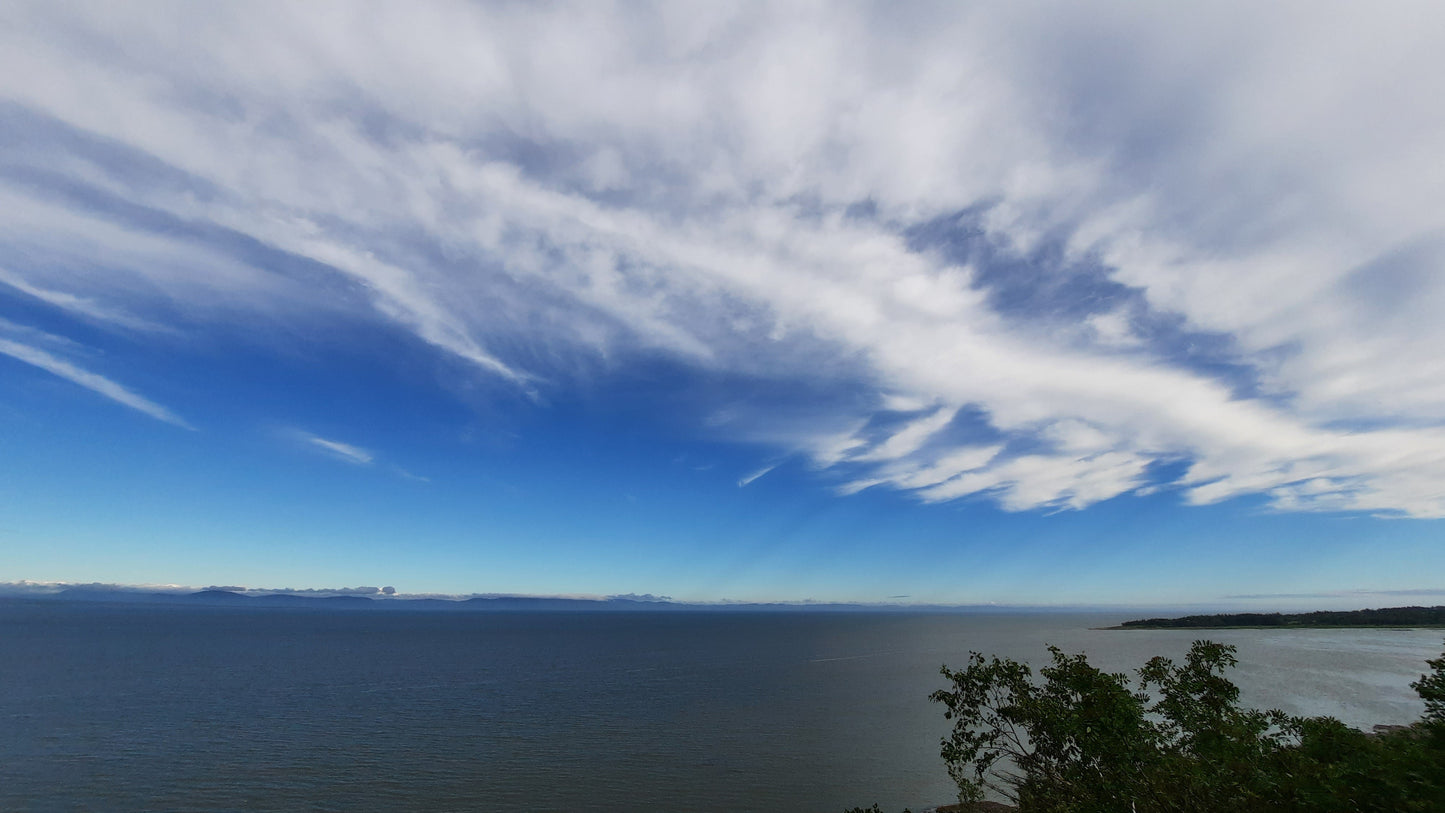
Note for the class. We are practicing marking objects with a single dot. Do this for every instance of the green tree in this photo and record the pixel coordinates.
(1212, 753)
(1431, 689)
(1175, 741)
(1080, 736)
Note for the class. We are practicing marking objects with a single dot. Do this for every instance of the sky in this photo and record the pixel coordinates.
(1030, 303)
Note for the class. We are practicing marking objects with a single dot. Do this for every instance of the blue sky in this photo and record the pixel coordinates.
(1041, 304)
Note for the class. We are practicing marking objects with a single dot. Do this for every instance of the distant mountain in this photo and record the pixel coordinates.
(234, 599)
(214, 595)
(229, 598)
(90, 594)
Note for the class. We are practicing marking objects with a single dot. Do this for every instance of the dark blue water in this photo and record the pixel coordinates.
(135, 708)
(159, 709)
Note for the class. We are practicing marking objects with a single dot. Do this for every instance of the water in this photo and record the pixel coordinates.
(143, 708)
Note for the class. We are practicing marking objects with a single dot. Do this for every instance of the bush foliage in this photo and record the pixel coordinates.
(1174, 739)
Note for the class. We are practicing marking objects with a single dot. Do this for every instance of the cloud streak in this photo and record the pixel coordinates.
(76, 304)
(91, 381)
(344, 452)
(748, 479)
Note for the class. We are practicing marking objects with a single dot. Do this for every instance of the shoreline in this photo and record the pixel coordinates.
(1181, 628)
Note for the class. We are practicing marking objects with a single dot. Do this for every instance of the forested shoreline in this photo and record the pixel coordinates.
(1382, 617)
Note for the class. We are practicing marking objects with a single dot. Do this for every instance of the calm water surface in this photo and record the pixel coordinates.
(136, 708)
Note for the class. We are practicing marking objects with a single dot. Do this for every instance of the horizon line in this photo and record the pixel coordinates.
(41, 589)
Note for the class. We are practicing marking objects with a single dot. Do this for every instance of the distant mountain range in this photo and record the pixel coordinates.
(228, 598)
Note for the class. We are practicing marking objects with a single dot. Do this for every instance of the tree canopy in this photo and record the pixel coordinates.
(1174, 739)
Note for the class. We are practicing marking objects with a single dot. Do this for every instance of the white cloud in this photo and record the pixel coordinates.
(747, 479)
(1112, 329)
(78, 304)
(945, 468)
(341, 451)
(91, 381)
(910, 438)
(517, 185)
(1033, 481)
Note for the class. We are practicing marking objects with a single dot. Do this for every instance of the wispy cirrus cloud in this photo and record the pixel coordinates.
(76, 304)
(344, 452)
(747, 479)
(94, 382)
(349, 453)
(1087, 231)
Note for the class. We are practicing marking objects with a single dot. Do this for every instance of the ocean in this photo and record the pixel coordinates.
(133, 707)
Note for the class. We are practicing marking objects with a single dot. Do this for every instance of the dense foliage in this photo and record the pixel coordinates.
(1383, 617)
(1175, 739)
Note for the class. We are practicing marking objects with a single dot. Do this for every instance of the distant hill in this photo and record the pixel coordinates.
(362, 603)
(1383, 617)
(229, 598)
